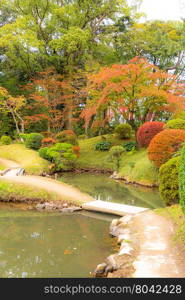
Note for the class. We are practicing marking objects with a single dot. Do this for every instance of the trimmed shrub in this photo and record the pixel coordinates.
(103, 146)
(61, 154)
(175, 124)
(182, 179)
(67, 136)
(147, 131)
(5, 140)
(123, 131)
(43, 152)
(130, 146)
(47, 142)
(165, 144)
(168, 181)
(34, 140)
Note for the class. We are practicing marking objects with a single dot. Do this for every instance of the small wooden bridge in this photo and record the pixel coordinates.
(112, 208)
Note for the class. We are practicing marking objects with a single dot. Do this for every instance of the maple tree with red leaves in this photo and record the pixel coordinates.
(137, 91)
(58, 96)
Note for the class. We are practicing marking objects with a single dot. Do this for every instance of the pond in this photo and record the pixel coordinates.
(35, 244)
(101, 187)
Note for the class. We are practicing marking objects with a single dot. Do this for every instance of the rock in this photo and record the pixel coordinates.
(125, 249)
(125, 220)
(117, 230)
(100, 270)
(125, 236)
(40, 206)
(111, 262)
(70, 209)
(65, 205)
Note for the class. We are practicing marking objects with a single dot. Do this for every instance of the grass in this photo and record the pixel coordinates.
(27, 158)
(138, 168)
(91, 159)
(175, 213)
(134, 168)
(22, 193)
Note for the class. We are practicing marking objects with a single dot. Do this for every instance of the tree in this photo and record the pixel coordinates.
(138, 91)
(64, 34)
(14, 106)
(162, 43)
(58, 96)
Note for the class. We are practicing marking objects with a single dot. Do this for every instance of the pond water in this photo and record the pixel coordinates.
(35, 244)
(101, 187)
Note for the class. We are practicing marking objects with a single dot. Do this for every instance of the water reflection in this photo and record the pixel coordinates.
(101, 187)
(51, 245)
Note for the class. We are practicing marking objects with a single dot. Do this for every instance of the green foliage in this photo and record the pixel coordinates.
(123, 131)
(43, 153)
(182, 179)
(115, 154)
(61, 154)
(5, 140)
(34, 140)
(103, 146)
(168, 181)
(175, 124)
(130, 146)
(67, 136)
(159, 41)
(23, 136)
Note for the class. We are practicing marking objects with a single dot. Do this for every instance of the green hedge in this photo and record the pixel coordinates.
(175, 124)
(182, 179)
(168, 181)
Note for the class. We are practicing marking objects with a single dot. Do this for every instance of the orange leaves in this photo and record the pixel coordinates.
(164, 144)
(138, 86)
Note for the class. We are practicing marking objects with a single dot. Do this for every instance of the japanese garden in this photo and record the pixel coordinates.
(92, 140)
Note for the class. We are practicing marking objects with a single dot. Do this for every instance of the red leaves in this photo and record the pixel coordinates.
(147, 131)
(137, 86)
(164, 144)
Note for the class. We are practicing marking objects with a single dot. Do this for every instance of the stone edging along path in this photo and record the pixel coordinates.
(146, 249)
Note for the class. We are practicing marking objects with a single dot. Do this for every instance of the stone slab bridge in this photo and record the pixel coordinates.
(113, 208)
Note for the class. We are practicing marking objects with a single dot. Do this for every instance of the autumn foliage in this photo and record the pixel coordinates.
(48, 142)
(147, 131)
(164, 145)
(139, 91)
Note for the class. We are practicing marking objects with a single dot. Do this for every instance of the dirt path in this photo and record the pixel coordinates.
(64, 190)
(158, 255)
(9, 163)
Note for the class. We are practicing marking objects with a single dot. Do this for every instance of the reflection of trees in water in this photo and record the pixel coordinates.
(103, 188)
(35, 247)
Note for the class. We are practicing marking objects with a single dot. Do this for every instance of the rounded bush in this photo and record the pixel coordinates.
(103, 146)
(5, 140)
(123, 131)
(34, 140)
(43, 152)
(165, 144)
(175, 124)
(168, 181)
(67, 136)
(147, 131)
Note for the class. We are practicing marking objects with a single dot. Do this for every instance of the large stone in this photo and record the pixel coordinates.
(100, 270)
